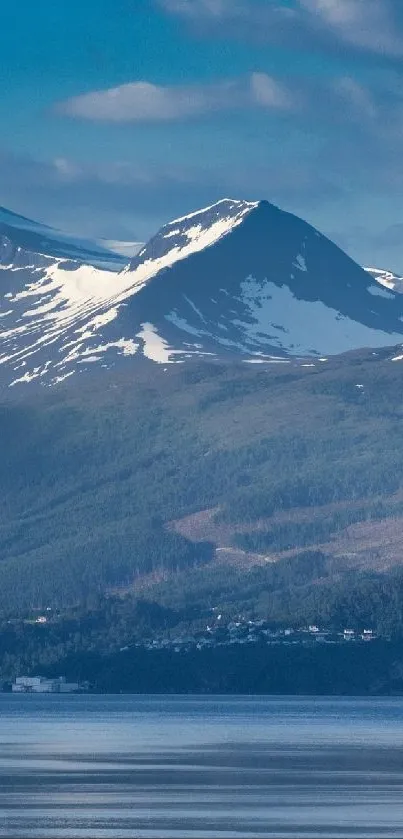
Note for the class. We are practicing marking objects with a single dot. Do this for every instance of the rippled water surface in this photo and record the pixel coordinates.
(175, 767)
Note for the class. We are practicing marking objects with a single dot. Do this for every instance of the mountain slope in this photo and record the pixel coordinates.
(105, 480)
(53, 290)
(236, 280)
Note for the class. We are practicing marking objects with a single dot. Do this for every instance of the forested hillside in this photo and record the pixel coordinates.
(288, 457)
(212, 629)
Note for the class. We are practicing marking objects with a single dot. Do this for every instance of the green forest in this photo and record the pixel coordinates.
(93, 474)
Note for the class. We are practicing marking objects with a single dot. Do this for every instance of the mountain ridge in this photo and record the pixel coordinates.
(24, 234)
(238, 279)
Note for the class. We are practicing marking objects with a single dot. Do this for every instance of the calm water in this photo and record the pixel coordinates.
(173, 767)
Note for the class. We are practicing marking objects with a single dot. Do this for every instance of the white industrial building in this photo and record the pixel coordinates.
(40, 684)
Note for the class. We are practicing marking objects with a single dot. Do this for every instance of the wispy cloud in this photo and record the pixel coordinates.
(325, 100)
(310, 168)
(142, 101)
(375, 25)
(371, 25)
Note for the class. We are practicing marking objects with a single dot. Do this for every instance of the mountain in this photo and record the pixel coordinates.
(387, 278)
(20, 236)
(249, 279)
(237, 280)
(213, 487)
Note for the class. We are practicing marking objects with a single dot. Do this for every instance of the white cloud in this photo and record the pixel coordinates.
(366, 23)
(142, 101)
(373, 25)
(356, 96)
(66, 169)
(267, 93)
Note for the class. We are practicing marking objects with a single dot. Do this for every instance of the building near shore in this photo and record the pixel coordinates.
(40, 684)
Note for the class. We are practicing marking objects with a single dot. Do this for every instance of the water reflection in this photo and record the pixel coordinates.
(172, 767)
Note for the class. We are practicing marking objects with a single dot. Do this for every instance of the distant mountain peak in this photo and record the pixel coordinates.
(191, 234)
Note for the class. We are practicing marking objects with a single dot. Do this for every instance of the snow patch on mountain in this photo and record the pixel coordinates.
(387, 278)
(154, 347)
(158, 349)
(310, 325)
(378, 291)
(65, 306)
(300, 263)
(225, 206)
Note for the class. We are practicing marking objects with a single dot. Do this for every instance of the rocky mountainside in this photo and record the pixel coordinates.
(237, 280)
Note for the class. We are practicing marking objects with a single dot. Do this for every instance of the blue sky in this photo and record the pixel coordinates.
(117, 115)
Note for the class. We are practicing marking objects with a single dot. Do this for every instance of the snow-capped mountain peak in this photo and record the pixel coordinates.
(250, 279)
(224, 208)
(236, 279)
(191, 234)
